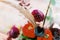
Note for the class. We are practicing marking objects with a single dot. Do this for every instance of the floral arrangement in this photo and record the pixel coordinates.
(34, 27)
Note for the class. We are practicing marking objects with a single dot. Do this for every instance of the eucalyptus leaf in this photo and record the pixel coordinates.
(53, 2)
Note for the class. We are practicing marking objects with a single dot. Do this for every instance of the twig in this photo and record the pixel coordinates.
(46, 13)
(51, 26)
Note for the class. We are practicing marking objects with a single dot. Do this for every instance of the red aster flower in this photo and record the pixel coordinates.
(49, 34)
(28, 30)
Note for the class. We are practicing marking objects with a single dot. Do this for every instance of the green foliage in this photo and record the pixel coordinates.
(26, 38)
(53, 2)
(49, 17)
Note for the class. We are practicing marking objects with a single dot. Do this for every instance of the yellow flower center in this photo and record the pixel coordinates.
(29, 28)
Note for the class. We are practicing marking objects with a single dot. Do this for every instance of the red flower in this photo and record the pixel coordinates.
(28, 30)
(50, 37)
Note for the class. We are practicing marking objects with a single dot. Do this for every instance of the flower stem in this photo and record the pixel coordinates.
(46, 12)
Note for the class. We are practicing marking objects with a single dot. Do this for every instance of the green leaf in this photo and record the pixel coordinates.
(24, 37)
(50, 14)
(31, 39)
(53, 2)
(28, 39)
(49, 17)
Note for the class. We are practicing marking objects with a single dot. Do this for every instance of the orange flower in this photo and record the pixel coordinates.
(50, 37)
(28, 30)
